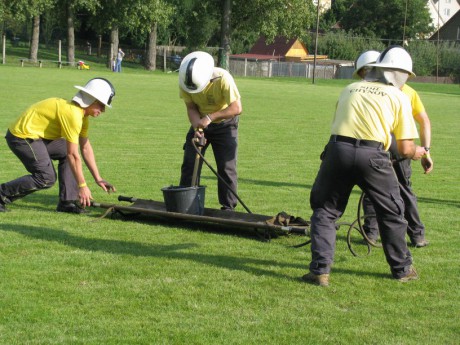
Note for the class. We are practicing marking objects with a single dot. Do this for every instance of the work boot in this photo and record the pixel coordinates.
(3, 204)
(372, 241)
(419, 243)
(70, 206)
(3, 208)
(317, 279)
(411, 275)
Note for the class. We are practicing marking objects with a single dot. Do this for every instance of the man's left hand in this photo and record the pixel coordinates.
(106, 186)
(427, 164)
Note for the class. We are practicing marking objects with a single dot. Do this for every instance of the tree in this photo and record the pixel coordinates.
(196, 22)
(24, 10)
(148, 16)
(200, 23)
(225, 33)
(271, 18)
(67, 10)
(385, 19)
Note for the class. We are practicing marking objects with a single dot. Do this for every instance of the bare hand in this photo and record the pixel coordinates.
(106, 186)
(427, 164)
(199, 137)
(84, 195)
(419, 152)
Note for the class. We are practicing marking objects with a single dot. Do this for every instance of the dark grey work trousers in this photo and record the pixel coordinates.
(37, 156)
(403, 170)
(223, 138)
(345, 165)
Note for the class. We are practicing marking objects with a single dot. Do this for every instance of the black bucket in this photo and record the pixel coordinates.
(188, 200)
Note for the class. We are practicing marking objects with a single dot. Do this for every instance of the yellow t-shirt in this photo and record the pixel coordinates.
(415, 101)
(52, 119)
(217, 95)
(372, 111)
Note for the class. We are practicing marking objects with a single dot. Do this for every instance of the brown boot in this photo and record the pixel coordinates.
(420, 243)
(411, 275)
(317, 279)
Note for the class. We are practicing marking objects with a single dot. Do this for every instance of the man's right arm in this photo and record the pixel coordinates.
(73, 156)
(193, 114)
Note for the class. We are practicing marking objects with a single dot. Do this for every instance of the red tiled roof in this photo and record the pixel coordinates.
(279, 47)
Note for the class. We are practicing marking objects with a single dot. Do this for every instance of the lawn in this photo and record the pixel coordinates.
(68, 279)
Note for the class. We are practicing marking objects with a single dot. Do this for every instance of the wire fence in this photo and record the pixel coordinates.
(272, 68)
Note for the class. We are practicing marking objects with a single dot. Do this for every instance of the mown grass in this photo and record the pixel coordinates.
(68, 279)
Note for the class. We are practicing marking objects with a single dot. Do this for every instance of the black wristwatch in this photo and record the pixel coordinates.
(427, 149)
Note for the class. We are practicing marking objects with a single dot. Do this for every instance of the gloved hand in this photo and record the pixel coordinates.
(106, 186)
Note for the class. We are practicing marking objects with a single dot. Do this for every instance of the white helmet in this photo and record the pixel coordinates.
(195, 72)
(395, 57)
(99, 89)
(364, 60)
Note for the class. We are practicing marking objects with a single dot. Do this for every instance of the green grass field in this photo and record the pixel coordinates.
(67, 279)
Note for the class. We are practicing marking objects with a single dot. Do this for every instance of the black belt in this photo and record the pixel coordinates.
(356, 142)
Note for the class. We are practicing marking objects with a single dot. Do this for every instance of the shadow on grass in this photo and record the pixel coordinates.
(454, 203)
(262, 267)
(258, 267)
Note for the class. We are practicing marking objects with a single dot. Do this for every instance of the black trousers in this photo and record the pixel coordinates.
(345, 165)
(403, 170)
(37, 156)
(223, 138)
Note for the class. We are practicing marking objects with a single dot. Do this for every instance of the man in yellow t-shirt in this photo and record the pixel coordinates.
(367, 113)
(213, 105)
(55, 129)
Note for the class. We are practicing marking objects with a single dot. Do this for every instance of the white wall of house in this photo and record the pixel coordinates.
(442, 10)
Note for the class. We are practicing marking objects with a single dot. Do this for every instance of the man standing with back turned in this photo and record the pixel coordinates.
(367, 113)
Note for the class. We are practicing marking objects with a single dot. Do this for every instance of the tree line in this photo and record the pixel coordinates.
(231, 25)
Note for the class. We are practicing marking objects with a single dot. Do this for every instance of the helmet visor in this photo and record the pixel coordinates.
(189, 76)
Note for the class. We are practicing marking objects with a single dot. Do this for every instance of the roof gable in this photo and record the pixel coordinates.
(279, 47)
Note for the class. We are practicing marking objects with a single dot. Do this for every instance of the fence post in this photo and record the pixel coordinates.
(59, 53)
(111, 58)
(3, 49)
(245, 66)
(99, 46)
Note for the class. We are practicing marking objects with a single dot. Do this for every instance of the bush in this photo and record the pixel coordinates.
(450, 60)
(427, 56)
(343, 46)
(423, 57)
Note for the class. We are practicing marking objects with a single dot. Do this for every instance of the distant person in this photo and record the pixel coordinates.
(120, 56)
(56, 129)
(402, 167)
(367, 113)
(213, 104)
